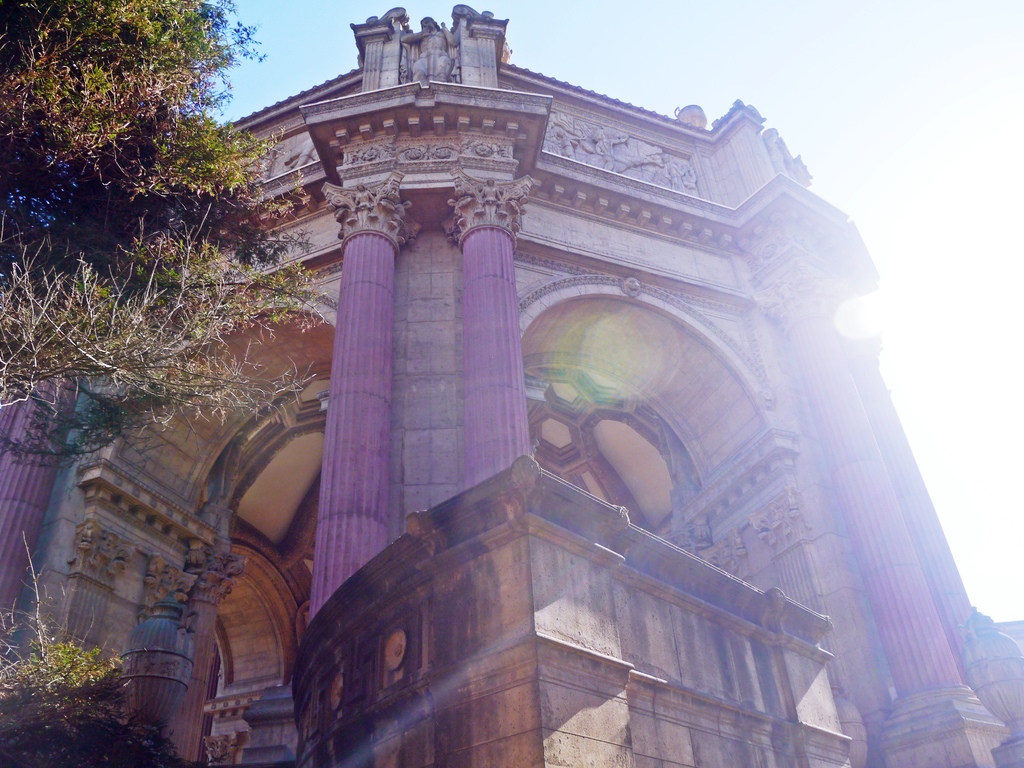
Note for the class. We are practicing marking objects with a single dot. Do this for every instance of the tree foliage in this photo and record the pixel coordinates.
(62, 705)
(132, 226)
(65, 706)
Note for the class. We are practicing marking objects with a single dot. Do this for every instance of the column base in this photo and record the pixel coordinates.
(1010, 754)
(948, 727)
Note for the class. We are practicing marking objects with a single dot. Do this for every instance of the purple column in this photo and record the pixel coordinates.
(496, 430)
(352, 517)
(25, 488)
(215, 579)
(922, 522)
(911, 631)
(494, 406)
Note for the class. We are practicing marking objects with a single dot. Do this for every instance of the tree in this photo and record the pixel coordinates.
(132, 226)
(61, 705)
(64, 706)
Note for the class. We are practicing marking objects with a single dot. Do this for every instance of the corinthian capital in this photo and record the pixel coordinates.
(800, 293)
(217, 578)
(374, 208)
(487, 203)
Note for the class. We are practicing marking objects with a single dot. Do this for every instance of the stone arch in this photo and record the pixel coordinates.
(744, 362)
(641, 356)
(175, 459)
(254, 618)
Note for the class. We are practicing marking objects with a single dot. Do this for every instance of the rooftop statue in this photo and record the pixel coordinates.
(433, 52)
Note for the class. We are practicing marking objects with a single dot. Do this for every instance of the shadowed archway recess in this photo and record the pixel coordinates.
(632, 405)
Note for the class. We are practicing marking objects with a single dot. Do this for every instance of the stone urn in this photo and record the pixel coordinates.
(157, 664)
(995, 670)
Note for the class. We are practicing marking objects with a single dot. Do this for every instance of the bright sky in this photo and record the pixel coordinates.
(909, 115)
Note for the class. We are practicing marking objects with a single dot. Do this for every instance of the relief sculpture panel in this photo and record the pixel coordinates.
(614, 151)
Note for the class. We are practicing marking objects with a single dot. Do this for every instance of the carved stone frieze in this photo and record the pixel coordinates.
(612, 150)
(220, 750)
(372, 208)
(217, 578)
(291, 154)
(781, 522)
(375, 152)
(487, 203)
(427, 151)
(163, 579)
(729, 554)
(422, 153)
(798, 294)
(99, 554)
(695, 536)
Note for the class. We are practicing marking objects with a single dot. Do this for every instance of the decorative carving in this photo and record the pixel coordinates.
(292, 153)
(695, 536)
(99, 553)
(217, 578)
(782, 160)
(221, 749)
(162, 580)
(775, 610)
(376, 208)
(433, 52)
(394, 649)
(781, 521)
(482, 148)
(198, 554)
(368, 153)
(799, 294)
(729, 554)
(418, 153)
(631, 287)
(487, 203)
(611, 150)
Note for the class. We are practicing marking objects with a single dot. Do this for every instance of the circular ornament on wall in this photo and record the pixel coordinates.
(394, 650)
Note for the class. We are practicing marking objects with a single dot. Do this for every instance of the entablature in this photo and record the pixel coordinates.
(106, 488)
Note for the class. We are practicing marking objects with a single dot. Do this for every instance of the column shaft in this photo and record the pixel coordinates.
(25, 488)
(494, 395)
(352, 518)
(186, 726)
(947, 588)
(908, 622)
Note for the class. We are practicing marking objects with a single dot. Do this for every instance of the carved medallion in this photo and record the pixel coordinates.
(394, 650)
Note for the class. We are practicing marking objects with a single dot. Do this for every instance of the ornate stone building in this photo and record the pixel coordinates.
(721, 552)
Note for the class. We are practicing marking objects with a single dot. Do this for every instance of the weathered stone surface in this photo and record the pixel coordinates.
(515, 588)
